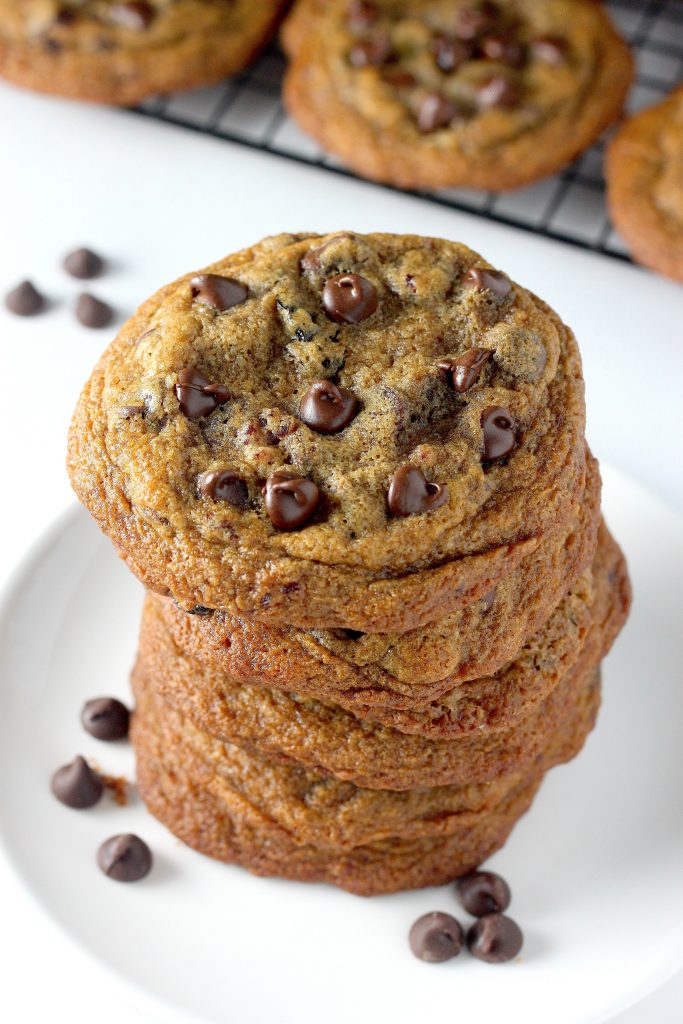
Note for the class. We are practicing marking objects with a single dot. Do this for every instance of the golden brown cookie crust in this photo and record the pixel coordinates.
(353, 565)
(89, 51)
(645, 185)
(453, 746)
(400, 670)
(269, 818)
(371, 124)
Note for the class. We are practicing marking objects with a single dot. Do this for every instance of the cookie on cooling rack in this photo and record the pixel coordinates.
(645, 185)
(432, 93)
(119, 51)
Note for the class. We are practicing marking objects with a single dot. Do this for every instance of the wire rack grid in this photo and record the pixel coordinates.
(570, 206)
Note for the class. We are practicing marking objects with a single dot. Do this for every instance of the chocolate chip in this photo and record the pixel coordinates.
(64, 16)
(125, 858)
(92, 312)
(224, 485)
(495, 939)
(436, 937)
(83, 263)
(199, 609)
(25, 300)
(483, 892)
(481, 279)
(497, 91)
(197, 396)
(291, 500)
(106, 718)
(435, 111)
(399, 79)
(219, 293)
(135, 15)
(500, 433)
(450, 53)
(371, 52)
(77, 785)
(502, 48)
(466, 369)
(551, 49)
(410, 493)
(361, 15)
(349, 298)
(327, 408)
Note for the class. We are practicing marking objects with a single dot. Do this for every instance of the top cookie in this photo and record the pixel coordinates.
(431, 93)
(343, 430)
(120, 52)
(645, 185)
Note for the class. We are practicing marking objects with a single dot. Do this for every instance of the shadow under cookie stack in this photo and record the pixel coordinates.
(352, 472)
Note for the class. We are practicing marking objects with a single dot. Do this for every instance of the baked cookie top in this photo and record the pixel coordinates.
(447, 92)
(119, 50)
(645, 185)
(321, 413)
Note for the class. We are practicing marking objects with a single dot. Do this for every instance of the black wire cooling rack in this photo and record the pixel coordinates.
(570, 206)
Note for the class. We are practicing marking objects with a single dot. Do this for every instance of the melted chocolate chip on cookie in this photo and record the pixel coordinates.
(327, 408)
(500, 433)
(219, 293)
(197, 396)
(466, 369)
(349, 298)
(435, 111)
(224, 485)
(291, 500)
(481, 279)
(411, 493)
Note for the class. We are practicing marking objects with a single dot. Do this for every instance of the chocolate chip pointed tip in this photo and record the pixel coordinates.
(327, 408)
(25, 300)
(410, 493)
(290, 500)
(125, 858)
(93, 312)
(76, 785)
(83, 263)
(105, 718)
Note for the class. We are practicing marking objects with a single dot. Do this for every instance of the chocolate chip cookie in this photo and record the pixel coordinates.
(433, 93)
(400, 670)
(119, 52)
(342, 431)
(645, 185)
(281, 819)
(476, 733)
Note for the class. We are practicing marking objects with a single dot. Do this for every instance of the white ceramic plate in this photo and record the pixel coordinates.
(596, 867)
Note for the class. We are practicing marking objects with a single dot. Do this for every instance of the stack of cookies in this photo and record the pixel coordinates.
(352, 473)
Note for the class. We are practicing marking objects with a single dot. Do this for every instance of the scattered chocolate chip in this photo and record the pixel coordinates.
(495, 939)
(349, 298)
(105, 718)
(197, 396)
(436, 937)
(361, 15)
(291, 500)
(64, 16)
(500, 434)
(25, 300)
(224, 485)
(410, 493)
(450, 53)
(502, 48)
(483, 892)
(435, 111)
(497, 91)
(327, 408)
(219, 293)
(92, 312)
(135, 15)
(466, 369)
(83, 263)
(481, 279)
(551, 49)
(125, 858)
(371, 52)
(77, 785)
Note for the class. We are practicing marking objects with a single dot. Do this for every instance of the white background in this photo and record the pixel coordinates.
(158, 202)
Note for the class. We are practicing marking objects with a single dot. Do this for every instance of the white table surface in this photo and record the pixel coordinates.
(159, 201)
